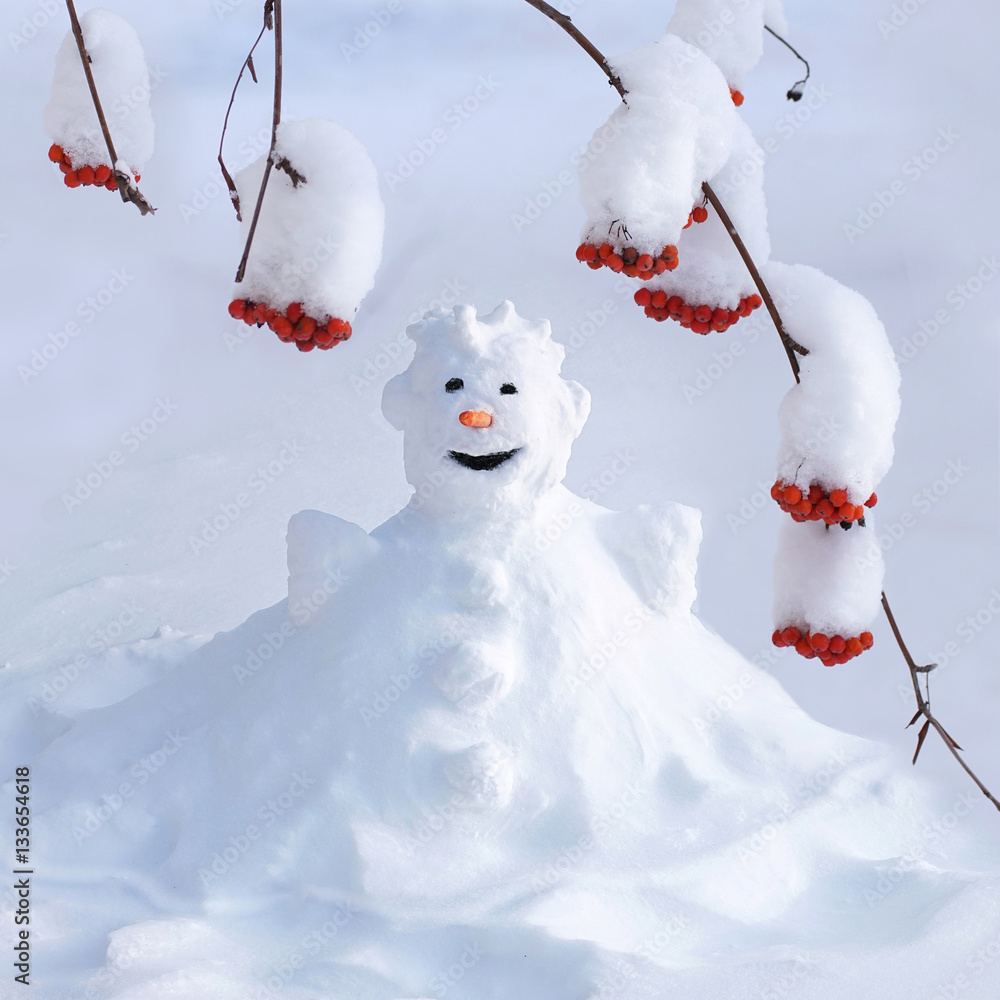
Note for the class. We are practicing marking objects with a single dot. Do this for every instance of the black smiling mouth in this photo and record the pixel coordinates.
(482, 463)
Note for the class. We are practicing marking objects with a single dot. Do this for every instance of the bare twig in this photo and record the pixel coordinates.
(924, 708)
(795, 91)
(566, 23)
(126, 187)
(285, 165)
(791, 347)
(234, 195)
(270, 7)
(921, 736)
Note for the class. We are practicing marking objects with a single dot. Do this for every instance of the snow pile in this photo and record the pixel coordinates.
(485, 750)
(119, 69)
(731, 35)
(646, 164)
(837, 423)
(318, 240)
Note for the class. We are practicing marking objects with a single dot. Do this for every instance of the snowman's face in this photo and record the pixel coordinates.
(489, 428)
(480, 420)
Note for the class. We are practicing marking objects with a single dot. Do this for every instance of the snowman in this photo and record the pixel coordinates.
(487, 750)
(512, 583)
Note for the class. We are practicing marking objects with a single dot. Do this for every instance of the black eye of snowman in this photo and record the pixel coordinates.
(454, 384)
(508, 389)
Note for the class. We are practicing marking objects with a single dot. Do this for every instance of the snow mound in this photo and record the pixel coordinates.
(118, 65)
(731, 35)
(318, 240)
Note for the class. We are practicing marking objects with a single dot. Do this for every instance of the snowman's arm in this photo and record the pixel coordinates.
(324, 552)
(656, 548)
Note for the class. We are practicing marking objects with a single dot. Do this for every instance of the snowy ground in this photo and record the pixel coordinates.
(159, 347)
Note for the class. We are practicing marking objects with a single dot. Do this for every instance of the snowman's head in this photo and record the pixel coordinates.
(487, 420)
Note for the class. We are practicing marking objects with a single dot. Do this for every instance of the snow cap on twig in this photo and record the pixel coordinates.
(731, 35)
(318, 240)
(837, 424)
(643, 169)
(118, 65)
(827, 579)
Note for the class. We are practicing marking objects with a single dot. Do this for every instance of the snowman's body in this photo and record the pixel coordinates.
(490, 753)
(519, 659)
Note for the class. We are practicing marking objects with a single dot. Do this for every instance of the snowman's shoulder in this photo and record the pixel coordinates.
(324, 551)
(656, 548)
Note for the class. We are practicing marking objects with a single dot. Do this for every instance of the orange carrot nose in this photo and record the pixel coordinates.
(475, 418)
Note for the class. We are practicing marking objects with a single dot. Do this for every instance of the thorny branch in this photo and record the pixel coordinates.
(126, 187)
(924, 708)
(791, 348)
(272, 19)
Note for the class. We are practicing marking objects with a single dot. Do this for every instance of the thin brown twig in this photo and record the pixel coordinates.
(234, 195)
(270, 7)
(795, 91)
(566, 23)
(791, 346)
(126, 188)
(924, 708)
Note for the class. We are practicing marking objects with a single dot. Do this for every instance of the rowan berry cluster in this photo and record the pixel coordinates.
(829, 650)
(628, 261)
(660, 306)
(818, 505)
(100, 176)
(293, 325)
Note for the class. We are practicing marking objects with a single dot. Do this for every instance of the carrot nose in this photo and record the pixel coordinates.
(475, 418)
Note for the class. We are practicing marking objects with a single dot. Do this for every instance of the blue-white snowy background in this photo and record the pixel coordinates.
(878, 99)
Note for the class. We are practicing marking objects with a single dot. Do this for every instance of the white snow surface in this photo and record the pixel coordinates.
(646, 164)
(837, 424)
(730, 34)
(486, 744)
(118, 65)
(828, 579)
(319, 242)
